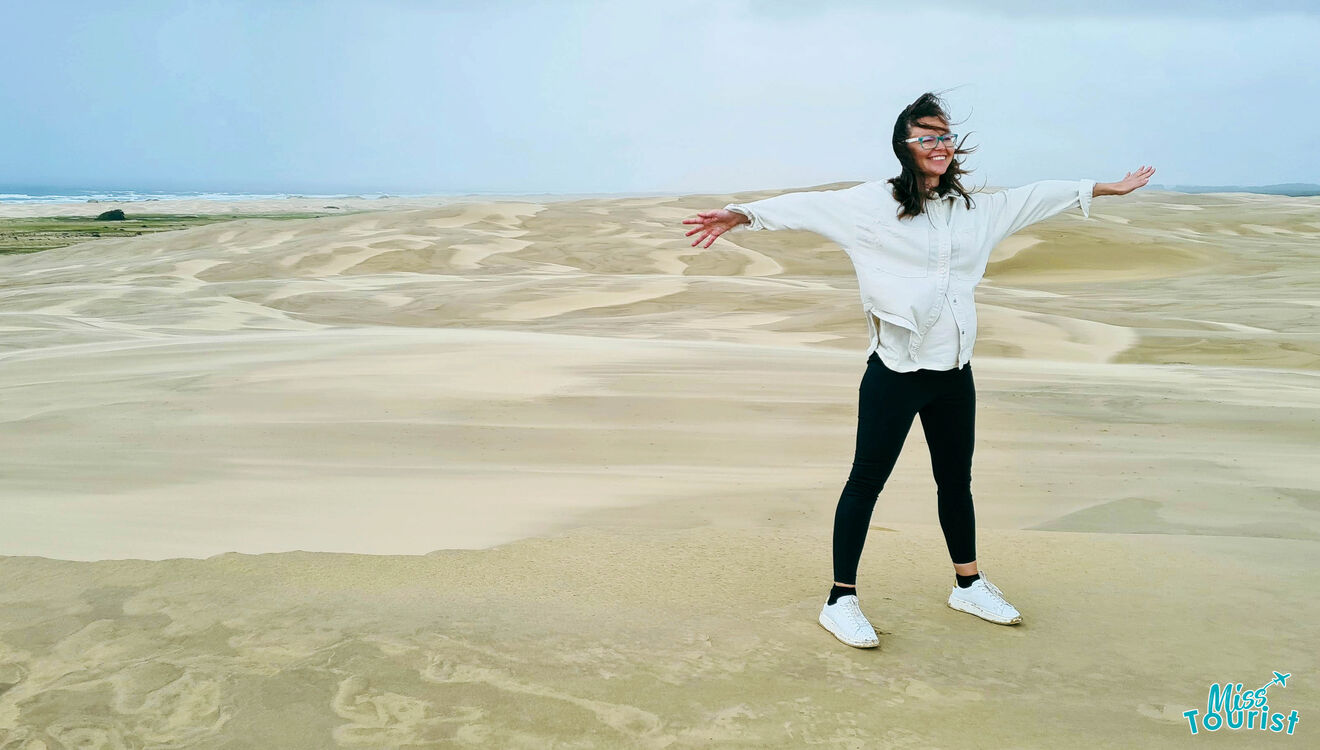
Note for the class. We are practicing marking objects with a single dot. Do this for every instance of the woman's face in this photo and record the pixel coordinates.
(935, 162)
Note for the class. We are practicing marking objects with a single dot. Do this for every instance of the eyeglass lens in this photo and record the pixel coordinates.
(928, 142)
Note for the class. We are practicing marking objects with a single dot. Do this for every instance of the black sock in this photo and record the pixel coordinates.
(965, 581)
(838, 591)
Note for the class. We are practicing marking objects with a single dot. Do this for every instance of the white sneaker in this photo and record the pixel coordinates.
(845, 620)
(986, 601)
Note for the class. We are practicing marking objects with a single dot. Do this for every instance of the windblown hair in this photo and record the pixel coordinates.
(907, 186)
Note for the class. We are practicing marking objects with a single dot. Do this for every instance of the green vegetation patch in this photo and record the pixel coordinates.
(29, 235)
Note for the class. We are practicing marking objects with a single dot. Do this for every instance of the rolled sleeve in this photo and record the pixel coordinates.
(1085, 191)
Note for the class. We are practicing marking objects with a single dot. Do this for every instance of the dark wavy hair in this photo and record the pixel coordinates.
(907, 186)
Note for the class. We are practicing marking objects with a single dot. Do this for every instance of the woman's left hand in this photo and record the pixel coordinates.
(1131, 181)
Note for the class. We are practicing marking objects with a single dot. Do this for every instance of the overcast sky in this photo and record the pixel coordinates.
(406, 96)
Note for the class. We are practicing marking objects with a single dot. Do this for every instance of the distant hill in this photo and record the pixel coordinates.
(1287, 188)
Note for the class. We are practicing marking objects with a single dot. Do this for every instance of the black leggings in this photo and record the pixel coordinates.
(888, 400)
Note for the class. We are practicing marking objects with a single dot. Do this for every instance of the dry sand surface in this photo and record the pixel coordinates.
(534, 472)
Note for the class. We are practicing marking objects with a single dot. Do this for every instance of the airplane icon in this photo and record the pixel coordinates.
(1279, 678)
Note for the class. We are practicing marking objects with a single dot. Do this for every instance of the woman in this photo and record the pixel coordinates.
(919, 245)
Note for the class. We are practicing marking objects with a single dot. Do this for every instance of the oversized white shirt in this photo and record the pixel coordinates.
(917, 275)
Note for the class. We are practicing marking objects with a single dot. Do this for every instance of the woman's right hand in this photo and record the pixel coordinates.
(713, 224)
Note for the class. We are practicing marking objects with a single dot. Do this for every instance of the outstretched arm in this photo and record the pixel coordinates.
(833, 214)
(1018, 208)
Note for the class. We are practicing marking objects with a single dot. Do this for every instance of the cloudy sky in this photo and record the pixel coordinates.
(507, 96)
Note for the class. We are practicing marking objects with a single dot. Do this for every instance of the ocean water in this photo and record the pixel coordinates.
(57, 195)
(21, 194)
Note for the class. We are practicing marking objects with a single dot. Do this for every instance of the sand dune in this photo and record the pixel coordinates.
(660, 638)
(535, 472)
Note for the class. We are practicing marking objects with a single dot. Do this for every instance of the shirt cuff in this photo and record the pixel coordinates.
(1084, 195)
(741, 209)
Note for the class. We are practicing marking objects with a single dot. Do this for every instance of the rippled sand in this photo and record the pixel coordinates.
(627, 452)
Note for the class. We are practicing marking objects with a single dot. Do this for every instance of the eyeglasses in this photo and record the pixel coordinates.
(928, 141)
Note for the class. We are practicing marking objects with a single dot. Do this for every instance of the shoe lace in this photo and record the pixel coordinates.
(994, 591)
(854, 611)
